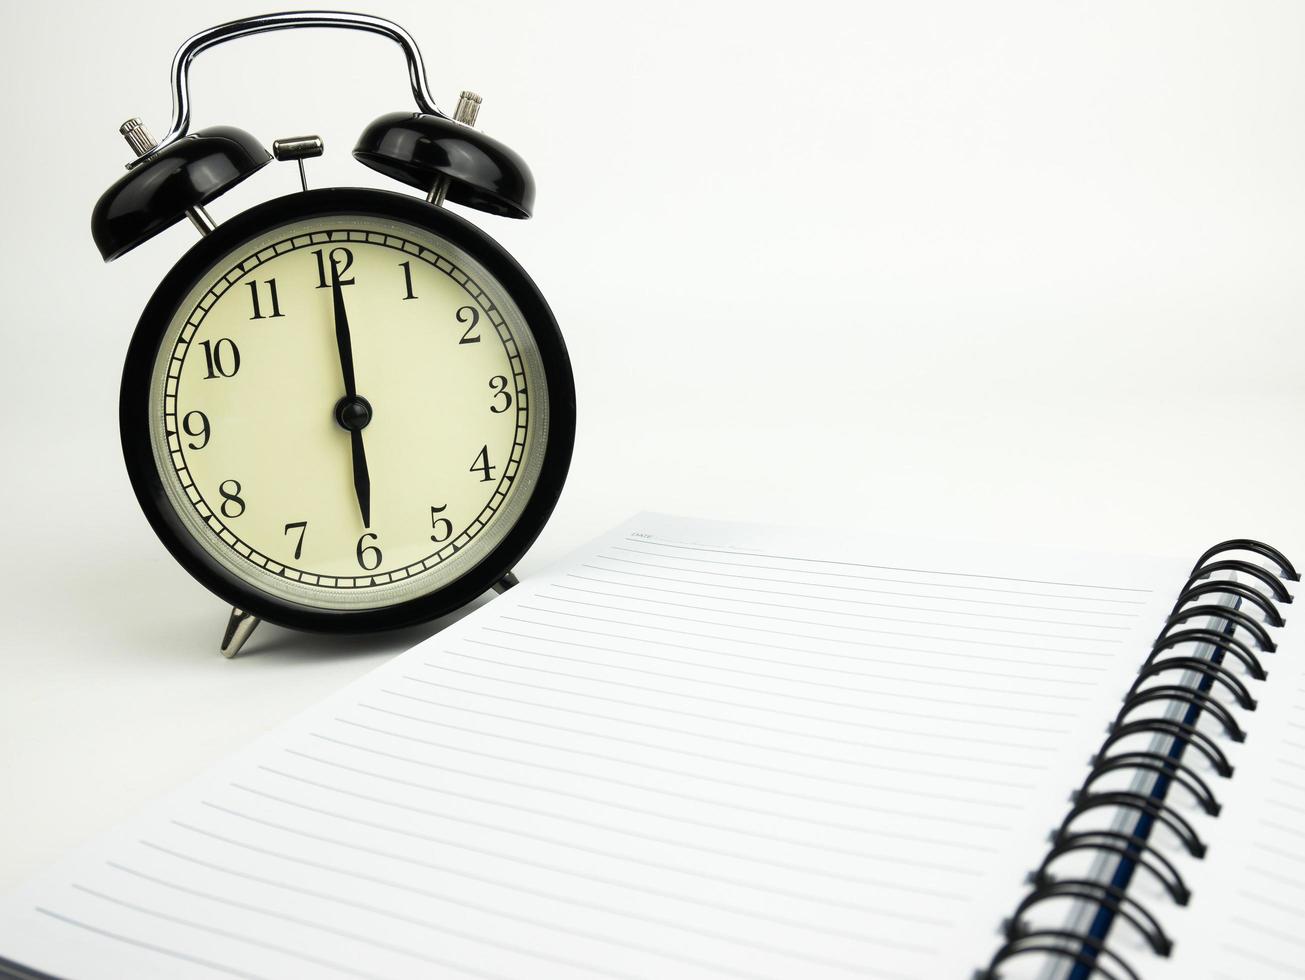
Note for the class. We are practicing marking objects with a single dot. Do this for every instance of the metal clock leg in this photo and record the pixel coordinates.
(506, 582)
(240, 627)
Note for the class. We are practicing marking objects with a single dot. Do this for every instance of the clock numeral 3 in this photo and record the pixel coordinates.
(258, 309)
(221, 358)
(498, 384)
(442, 526)
(201, 432)
(365, 560)
(340, 259)
(299, 545)
(232, 503)
(481, 465)
(407, 279)
(470, 316)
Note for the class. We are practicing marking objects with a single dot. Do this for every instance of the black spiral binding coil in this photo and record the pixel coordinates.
(1219, 692)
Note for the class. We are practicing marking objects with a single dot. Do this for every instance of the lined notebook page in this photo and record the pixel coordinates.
(694, 750)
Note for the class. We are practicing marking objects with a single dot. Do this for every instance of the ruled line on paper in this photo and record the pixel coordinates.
(692, 871)
(693, 899)
(808, 636)
(230, 935)
(826, 612)
(937, 597)
(569, 630)
(724, 804)
(868, 726)
(966, 655)
(457, 900)
(914, 750)
(890, 568)
(461, 901)
(369, 940)
(878, 661)
(611, 737)
(610, 828)
(986, 723)
(715, 778)
(771, 604)
(896, 695)
(775, 791)
(913, 571)
(152, 947)
(1130, 613)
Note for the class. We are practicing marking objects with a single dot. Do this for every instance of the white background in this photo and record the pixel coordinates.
(1003, 270)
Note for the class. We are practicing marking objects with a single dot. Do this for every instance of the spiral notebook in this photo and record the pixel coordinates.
(701, 749)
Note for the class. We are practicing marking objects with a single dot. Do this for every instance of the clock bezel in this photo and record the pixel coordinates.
(135, 419)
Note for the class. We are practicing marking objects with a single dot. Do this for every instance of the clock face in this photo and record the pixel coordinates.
(347, 411)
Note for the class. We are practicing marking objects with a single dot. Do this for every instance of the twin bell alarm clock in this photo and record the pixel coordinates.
(343, 409)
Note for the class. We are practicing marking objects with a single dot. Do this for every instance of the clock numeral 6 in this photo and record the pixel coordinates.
(498, 384)
(299, 545)
(470, 316)
(481, 465)
(340, 260)
(200, 432)
(232, 503)
(221, 358)
(258, 309)
(369, 556)
(442, 526)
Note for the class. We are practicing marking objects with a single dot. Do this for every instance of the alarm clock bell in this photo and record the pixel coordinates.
(179, 175)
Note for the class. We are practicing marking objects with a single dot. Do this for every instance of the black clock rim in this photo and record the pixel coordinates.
(147, 481)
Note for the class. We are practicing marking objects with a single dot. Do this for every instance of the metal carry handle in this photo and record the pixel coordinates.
(261, 24)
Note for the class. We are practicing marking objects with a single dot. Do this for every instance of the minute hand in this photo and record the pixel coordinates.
(361, 481)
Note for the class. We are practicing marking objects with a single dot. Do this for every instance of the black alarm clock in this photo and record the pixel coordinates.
(343, 409)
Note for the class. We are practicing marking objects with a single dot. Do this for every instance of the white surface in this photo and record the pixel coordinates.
(1011, 270)
(695, 749)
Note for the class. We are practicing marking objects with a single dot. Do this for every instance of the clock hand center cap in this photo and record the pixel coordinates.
(353, 413)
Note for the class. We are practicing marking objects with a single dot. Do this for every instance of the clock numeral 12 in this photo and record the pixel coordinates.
(221, 357)
(258, 310)
(341, 259)
(442, 526)
(481, 465)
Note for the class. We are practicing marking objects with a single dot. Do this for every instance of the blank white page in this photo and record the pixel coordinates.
(695, 749)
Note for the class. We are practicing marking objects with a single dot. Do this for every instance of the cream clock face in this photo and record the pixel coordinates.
(257, 436)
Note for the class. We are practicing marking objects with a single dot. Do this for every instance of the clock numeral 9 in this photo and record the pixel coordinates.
(221, 358)
(232, 504)
(365, 560)
(470, 316)
(481, 465)
(299, 545)
(442, 526)
(498, 384)
(253, 298)
(201, 432)
(340, 259)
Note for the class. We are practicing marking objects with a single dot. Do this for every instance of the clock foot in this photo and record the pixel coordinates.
(506, 582)
(240, 627)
